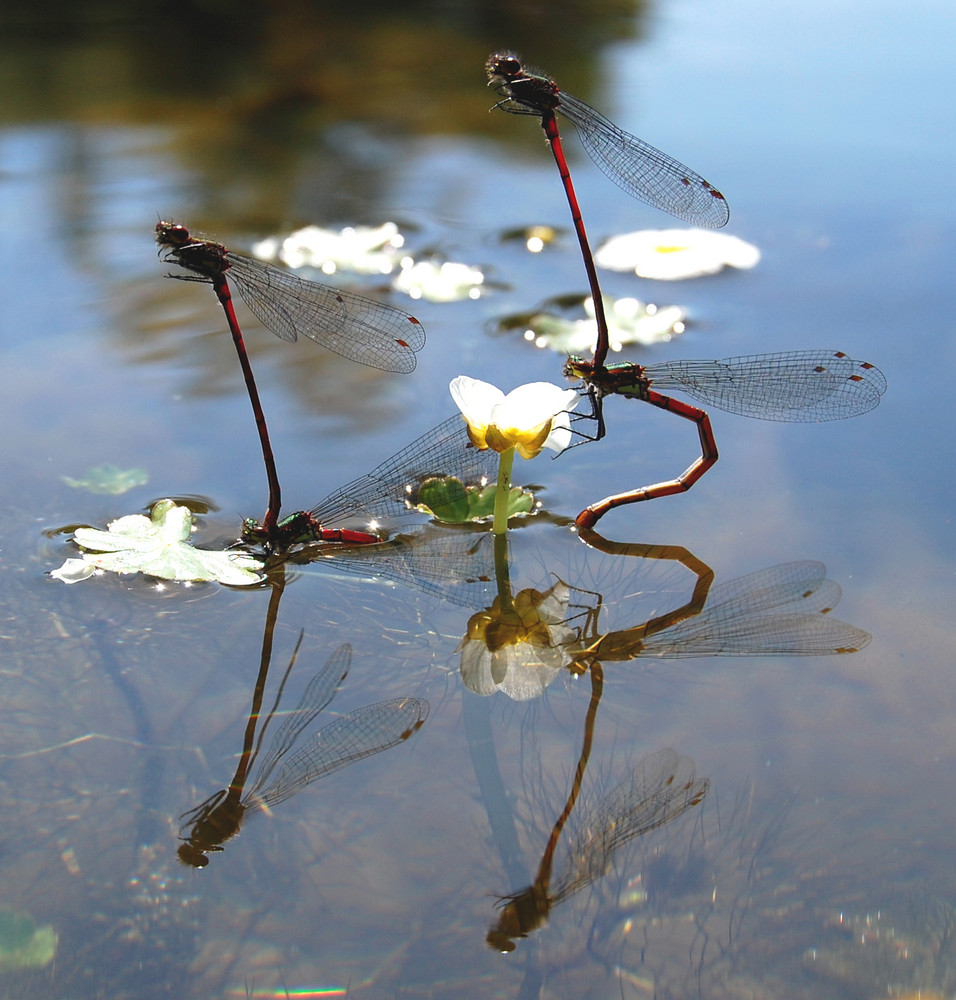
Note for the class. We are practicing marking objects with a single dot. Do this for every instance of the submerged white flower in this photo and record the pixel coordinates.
(109, 479)
(529, 418)
(157, 546)
(671, 254)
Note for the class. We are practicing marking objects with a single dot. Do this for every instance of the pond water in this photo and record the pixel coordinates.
(818, 860)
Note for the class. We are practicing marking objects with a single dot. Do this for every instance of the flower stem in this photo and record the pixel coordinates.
(503, 494)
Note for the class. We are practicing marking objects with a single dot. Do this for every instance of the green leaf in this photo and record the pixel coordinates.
(448, 500)
(108, 479)
(23, 945)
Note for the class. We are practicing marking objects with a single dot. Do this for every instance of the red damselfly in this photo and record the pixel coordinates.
(366, 731)
(791, 385)
(352, 325)
(444, 456)
(637, 167)
(658, 790)
(359, 328)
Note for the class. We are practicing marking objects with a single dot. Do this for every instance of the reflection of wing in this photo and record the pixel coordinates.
(775, 611)
(362, 733)
(317, 695)
(659, 789)
(453, 563)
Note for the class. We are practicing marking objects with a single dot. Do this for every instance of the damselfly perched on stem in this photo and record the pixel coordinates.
(791, 386)
(439, 473)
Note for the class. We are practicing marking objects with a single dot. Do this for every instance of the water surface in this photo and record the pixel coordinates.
(125, 706)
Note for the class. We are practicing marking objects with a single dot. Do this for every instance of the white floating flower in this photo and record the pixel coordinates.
(157, 546)
(629, 321)
(671, 254)
(359, 249)
(438, 282)
(529, 418)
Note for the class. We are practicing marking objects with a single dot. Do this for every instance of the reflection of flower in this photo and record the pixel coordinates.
(529, 418)
(518, 646)
(157, 546)
(670, 254)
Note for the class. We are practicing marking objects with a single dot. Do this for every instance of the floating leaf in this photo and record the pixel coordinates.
(108, 479)
(23, 945)
(448, 500)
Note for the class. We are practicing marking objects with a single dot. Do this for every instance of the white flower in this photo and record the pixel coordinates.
(629, 321)
(359, 249)
(671, 254)
(438, 282)
(529, 418)
(157, 546)
(520, 648)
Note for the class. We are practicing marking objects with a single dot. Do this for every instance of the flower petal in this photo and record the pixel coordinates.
(73, 571)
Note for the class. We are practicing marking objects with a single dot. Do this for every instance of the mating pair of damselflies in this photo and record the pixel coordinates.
(795, 386)
(799, 386)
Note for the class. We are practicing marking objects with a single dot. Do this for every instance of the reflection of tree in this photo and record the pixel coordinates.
(281, 773)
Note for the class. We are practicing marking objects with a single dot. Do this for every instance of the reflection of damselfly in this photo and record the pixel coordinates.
(658, 790)
(435, 473)
(366, 731)
(782, 610)
(790, 386)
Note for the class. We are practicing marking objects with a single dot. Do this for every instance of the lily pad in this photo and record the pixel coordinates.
(23, 945)
(108, 479)
(448, 500)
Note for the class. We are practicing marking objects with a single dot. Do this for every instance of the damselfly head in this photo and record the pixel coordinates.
(192, 856)
(578, 368)
(172, 234)
(502, 67)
